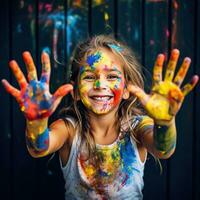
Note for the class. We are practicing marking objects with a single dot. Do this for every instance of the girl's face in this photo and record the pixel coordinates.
(102, 82)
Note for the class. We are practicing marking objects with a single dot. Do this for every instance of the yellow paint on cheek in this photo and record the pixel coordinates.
(83, 94)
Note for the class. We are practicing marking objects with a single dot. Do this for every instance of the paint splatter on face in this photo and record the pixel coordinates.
(102, 82)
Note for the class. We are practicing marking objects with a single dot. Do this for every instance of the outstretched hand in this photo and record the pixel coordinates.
(166, 96)
(34, 97)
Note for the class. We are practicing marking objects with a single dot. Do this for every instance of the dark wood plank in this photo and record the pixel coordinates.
(196, 152)
(102, 17)
(59, 30)
(23, 166)
(77, 27)
(181, 164)
(155, 41)
(50, 26)
(5, 136)
(129, 24)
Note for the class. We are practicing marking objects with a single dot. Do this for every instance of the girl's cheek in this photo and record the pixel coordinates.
(118, 84)
(83, 88)
(118, 88)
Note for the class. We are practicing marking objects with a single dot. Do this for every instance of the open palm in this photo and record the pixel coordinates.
(166, 96)
(34, 97)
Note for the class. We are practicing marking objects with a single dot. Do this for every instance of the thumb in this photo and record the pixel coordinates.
(139, 93)
(60, 93)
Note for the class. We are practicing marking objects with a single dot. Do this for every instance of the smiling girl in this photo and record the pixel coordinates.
(104, 139)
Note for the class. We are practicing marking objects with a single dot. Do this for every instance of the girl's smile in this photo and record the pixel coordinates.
(102, 82)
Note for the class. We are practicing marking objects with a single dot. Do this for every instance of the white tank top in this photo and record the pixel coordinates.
(119, 175)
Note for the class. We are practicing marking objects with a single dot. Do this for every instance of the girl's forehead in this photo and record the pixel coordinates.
(102, 60)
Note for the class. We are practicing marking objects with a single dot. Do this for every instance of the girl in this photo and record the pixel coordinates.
(104, 139)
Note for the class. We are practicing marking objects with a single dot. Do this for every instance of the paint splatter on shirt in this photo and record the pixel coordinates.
(116, 173)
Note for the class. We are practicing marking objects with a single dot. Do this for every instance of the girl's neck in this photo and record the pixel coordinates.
(103, 128)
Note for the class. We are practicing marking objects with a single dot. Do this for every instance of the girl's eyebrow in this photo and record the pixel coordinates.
(113, 69)
(105, 68)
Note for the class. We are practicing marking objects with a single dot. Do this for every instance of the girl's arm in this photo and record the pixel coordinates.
(162, 105)
(42, 140)
(37, 104)
(159, 140)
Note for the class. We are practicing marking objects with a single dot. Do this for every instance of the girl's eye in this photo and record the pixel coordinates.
(89, 77)
(112, 76)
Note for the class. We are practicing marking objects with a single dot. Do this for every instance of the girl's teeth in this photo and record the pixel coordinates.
(101, 98)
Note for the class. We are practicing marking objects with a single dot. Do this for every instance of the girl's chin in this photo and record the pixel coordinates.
(102, 110)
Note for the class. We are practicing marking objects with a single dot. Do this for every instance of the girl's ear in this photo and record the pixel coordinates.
(126, 93)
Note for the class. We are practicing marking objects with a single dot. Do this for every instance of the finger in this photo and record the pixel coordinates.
(139, 93)
(157, 70)
(18, 74)
(46, 68)
(189, 86)
(11, 90)
(182, 71)
(63, 90)
(169, 74)
(32, 73)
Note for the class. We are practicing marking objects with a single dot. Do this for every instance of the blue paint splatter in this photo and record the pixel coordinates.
(115, 47)
(82, 69)
(128, 156)
(93, 59)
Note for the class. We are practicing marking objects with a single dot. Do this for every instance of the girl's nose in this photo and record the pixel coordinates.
(100, 84)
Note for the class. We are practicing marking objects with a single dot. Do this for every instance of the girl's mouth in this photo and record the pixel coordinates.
(103, 99)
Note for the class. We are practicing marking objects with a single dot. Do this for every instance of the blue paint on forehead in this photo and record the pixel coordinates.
(93, 59)
(115, 47)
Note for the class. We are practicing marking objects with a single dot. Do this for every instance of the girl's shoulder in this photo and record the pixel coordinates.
(71, 124)
(65, 126)
(142, 122)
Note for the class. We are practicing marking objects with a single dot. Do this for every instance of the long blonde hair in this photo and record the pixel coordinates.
(133, 74)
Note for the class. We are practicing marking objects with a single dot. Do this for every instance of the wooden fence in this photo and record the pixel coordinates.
(149, 27)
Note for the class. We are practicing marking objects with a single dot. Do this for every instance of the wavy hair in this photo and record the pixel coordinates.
(133, 74)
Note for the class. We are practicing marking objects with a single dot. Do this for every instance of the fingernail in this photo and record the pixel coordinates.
(187, 60)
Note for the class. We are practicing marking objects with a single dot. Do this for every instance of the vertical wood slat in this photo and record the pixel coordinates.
(60, 38)
(22, 164)
(5, 136)
(181, 164)
(25, 176)
(102, 17)
(77, 27)
(196, 152)
(155, 42)
(51, 39)
(129, 24)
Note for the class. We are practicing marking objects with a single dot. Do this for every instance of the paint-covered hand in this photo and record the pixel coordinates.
(34, 98)
(166, 95)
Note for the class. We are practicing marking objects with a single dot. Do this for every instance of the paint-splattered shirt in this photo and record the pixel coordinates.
(118, 174)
